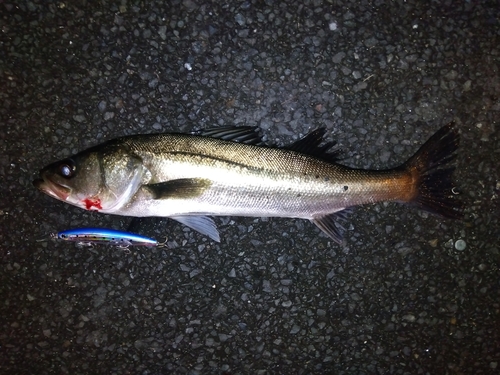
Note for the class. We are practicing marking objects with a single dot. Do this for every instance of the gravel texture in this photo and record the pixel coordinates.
(408, 293)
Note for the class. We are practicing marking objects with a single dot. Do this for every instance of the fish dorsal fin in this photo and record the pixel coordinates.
(242, 134)
(312, 145)
(332, 224)
(203, 224)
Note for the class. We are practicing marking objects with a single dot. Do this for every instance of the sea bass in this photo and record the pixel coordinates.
(229, 172)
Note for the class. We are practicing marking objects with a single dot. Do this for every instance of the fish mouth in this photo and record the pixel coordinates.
(52, 188)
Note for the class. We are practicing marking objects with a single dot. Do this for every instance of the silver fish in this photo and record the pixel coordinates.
(227, 171)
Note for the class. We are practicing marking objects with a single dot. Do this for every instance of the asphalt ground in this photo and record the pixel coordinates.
(275, 296)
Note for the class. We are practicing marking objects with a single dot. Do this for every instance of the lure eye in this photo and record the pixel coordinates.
(67, 168)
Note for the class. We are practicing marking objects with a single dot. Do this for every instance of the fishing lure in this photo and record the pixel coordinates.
(90, 236)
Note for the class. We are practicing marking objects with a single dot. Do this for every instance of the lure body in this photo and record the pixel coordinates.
(89, 236)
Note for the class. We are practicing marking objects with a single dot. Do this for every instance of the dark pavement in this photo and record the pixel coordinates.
(275, 296)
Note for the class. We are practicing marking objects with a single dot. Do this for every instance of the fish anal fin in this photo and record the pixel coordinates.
(332, 224)
(312, 144)
(182, 188)
(203, 224)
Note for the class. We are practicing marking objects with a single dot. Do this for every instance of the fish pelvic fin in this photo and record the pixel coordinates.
(203, 224)
(431, 168)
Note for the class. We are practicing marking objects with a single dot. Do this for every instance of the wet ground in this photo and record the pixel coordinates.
(276, 296)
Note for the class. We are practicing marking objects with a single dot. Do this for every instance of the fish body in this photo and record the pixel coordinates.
(91, 236)
(228, 172)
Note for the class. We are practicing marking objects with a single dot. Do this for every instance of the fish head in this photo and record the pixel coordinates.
(103, 178)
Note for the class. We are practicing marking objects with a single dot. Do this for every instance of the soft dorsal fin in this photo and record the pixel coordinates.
(312, 145)
(242, 134)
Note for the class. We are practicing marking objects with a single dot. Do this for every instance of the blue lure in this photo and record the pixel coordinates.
(90, 236)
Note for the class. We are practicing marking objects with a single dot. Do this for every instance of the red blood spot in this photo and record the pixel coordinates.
(92, 203)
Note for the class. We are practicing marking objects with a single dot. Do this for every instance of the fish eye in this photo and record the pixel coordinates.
(67, 168)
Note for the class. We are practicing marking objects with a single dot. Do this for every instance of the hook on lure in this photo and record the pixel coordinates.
(91, 236)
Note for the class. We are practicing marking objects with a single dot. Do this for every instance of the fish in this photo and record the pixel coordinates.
(229, 171)
(90, 236)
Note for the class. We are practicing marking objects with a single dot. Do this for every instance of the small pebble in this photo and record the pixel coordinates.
(460, 245)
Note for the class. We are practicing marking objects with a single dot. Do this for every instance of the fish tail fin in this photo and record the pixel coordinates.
(433, 168)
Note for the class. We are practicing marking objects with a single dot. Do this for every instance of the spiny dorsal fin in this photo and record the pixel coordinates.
(242, 134)
(312, 145)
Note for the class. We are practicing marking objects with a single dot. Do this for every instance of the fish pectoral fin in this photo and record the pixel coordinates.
(243, 134)
(203, 224)
(312, 145)
(182, 188)
(331, 224)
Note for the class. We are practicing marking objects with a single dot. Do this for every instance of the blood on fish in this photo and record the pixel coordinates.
(92, 203)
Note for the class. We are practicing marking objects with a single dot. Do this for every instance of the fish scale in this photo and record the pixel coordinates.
(281, 172)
